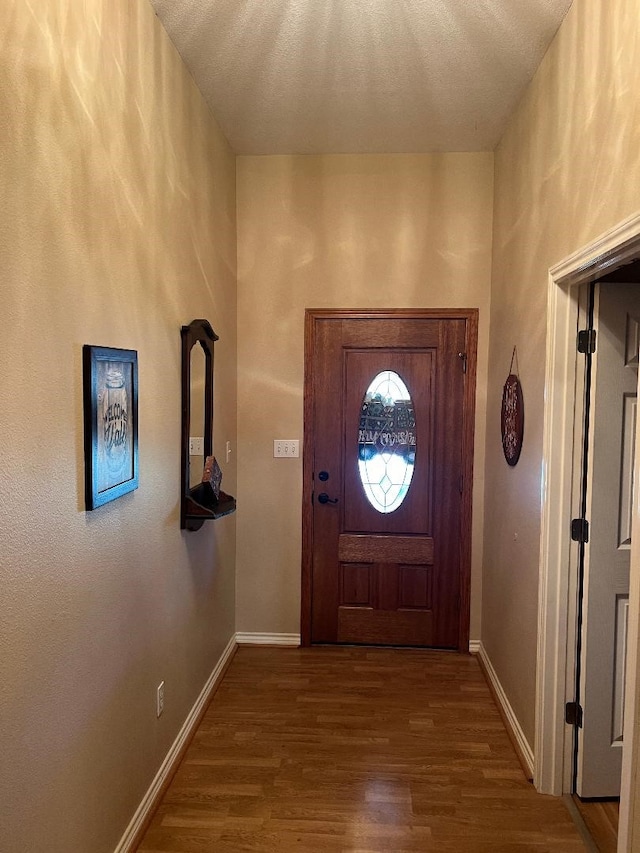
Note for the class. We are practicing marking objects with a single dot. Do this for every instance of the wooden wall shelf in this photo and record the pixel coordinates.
(202, 504)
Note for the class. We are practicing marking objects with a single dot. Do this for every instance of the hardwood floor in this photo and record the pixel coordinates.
(601, 819)
(354, 750)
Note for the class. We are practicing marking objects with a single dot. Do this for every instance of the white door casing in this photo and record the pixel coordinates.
(617, 246)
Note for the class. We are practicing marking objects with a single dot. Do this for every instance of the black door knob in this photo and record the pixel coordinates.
(324, 476)
(324, 498)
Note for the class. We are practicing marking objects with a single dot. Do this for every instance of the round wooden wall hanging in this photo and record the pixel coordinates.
(512, 416)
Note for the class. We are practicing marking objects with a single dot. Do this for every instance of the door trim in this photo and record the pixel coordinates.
(616, 247)
(312, 315)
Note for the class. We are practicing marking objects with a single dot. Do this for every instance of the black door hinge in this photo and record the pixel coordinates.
(587, 341)
(580, 530)
(573, 714)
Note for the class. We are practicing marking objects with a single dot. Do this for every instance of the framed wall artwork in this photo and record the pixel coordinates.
(110, 394)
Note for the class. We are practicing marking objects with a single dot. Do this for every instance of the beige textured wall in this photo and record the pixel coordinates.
(338, 231)
(567, 170)
(117, 225)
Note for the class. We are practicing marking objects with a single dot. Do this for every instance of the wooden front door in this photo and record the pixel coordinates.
(389, 402)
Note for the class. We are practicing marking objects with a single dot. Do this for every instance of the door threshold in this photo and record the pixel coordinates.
(387, 646)
(600, 819)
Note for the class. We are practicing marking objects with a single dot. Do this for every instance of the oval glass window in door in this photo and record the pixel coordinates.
(386, 441)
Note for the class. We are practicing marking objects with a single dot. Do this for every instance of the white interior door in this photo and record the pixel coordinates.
(609, 489)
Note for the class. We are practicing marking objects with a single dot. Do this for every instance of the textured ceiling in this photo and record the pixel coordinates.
(343, 76)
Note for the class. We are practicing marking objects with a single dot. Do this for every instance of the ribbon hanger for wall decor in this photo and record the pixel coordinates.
(514, 357)
(512, 414)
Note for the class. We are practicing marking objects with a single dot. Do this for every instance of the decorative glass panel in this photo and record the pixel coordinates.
(386, 441)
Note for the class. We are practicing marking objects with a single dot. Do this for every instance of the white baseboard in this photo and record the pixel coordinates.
(149, 800)
(474, 646)
(526, 752)
(249, 639)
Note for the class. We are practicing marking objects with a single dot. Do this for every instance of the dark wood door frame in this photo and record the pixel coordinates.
(470, 315)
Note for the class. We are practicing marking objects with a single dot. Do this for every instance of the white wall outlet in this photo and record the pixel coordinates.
(196, 446)
(160, 699)
(289, 447)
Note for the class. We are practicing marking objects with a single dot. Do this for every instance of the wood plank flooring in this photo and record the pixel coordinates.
(354, 750)
(601, 819)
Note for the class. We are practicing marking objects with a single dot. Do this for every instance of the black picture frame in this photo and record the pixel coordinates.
(110, 397)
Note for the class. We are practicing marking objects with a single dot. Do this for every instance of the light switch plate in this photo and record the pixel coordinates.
(286, 447)
(196, 446)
